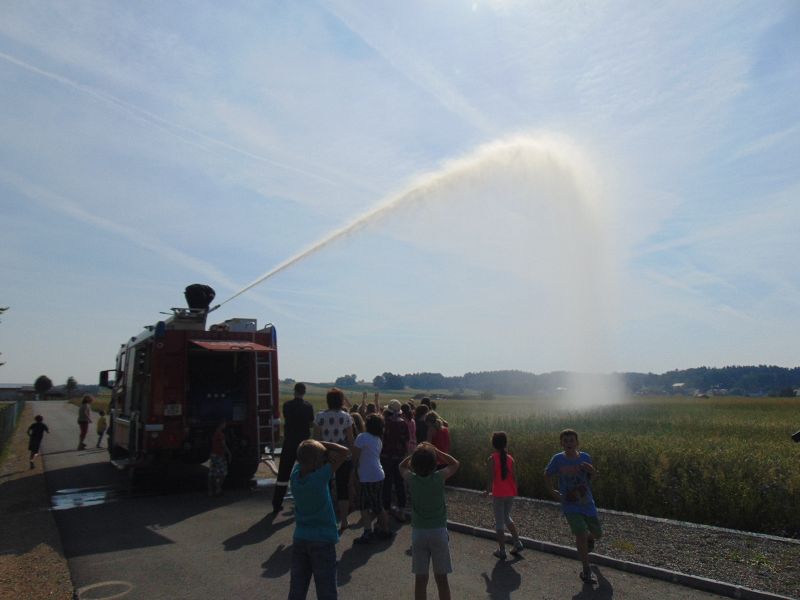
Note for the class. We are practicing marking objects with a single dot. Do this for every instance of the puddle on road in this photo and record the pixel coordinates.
(80, 497)
(69, 498)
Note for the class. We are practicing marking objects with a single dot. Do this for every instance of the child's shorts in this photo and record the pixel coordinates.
(430, 545)
(217, 467)
(371, 497)
(579, 524)
(502, 512)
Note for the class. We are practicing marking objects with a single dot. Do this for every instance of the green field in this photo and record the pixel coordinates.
(725, 461)
(719, 461)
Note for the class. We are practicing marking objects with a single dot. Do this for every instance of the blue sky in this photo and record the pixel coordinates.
(534, 185)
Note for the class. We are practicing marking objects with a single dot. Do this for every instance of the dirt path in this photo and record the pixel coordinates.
(32, 563)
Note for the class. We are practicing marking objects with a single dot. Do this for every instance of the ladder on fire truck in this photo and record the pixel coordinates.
(265, 431)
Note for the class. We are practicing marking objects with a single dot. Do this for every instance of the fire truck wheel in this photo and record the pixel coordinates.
(115, 452)
(241, 472)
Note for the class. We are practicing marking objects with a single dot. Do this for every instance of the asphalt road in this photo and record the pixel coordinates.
(169, 540)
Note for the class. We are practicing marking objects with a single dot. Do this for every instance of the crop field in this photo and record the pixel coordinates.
(720, 461)
(725, 461)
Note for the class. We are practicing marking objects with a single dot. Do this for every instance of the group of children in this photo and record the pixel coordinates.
(38, 428)
(426, 469)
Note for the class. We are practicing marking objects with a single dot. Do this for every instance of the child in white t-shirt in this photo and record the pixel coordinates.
(367, 459)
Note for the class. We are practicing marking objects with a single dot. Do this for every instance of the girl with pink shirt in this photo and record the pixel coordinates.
(502, 485)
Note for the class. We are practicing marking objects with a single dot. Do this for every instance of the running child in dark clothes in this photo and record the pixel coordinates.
(36, 432)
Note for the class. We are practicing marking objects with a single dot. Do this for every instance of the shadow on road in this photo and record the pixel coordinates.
(503, 580)
(357, 556)
(20, 500)
(279, 563)
(93, 497)
(256, 533)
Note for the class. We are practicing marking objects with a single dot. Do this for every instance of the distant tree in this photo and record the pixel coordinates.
(346, 380)
(487, 395)
(289, 381)
(378, 381)
(71, 385)
(42, 385)
(392, 381)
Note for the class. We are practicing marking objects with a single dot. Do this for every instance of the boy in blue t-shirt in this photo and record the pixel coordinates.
(315, 533)
(575, 472)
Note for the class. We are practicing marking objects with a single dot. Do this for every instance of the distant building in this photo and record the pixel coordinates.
(15, 391)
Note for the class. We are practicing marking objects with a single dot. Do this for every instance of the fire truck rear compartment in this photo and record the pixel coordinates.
(217, 388)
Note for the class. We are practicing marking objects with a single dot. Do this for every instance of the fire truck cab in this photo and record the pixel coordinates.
(176, 380)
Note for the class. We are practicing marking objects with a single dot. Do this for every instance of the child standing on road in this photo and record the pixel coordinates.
(429, 538)
(574, 471)
(502, 485)
(36, 432)
(84, 418)
(367, 459)
(315, 533)
(102, 425)
(218, 465)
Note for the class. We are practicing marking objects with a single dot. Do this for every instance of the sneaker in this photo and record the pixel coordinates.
(384, 535)
(400, 515)
(501, 554)
(81, 446)
(364, 538)
(32, 465)
(590, 545)
(518, 547)
(588, 577)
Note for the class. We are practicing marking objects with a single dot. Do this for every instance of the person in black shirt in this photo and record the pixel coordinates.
(36, 432)
(298, 417)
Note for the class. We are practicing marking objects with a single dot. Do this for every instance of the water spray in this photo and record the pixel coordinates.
(517, 151)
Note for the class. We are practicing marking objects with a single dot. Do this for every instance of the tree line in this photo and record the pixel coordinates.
(731, 380)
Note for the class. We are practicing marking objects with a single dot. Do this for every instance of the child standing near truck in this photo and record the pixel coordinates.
(574, 472)
(316, 532)
(218, 461)
(102, 425)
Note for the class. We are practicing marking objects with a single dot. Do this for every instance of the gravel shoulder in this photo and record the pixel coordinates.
(765, 563)
(32, 563)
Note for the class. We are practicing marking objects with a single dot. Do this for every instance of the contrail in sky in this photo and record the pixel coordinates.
(157, 121)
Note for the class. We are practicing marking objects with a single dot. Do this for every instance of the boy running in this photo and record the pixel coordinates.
(36, 432)
(574, 471)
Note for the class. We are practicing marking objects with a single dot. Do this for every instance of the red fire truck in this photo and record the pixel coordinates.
(176, 381)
